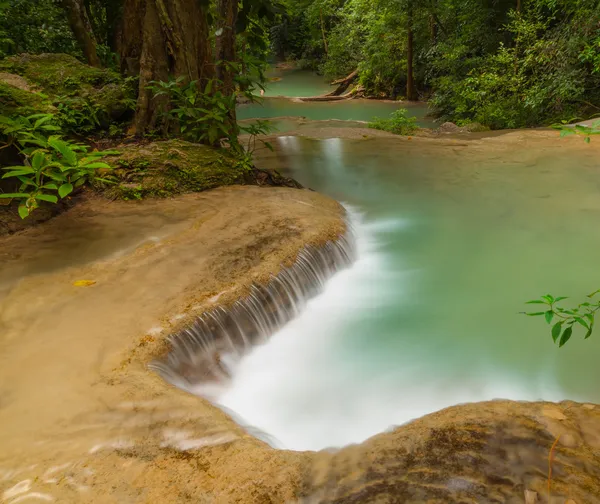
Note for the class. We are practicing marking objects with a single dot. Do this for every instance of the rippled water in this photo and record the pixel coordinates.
(452, 241)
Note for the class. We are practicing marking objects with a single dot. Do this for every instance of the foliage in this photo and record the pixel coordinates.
(204, 115)
(564, 319)
(52, 167)
(578, 129)
(35, 26)
(484, 62)
(6, 43)
(397, 123)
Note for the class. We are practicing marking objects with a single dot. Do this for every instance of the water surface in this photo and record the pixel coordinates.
(303, 83)
(452, 241)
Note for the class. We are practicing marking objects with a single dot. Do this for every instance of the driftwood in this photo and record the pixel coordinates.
(338, 93)
(346, 80)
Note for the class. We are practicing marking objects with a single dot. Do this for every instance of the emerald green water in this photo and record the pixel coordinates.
(295, 83)
(453, 238)
(302, 83)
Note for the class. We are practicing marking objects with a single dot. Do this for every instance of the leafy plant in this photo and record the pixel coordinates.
(202, 115)
(578, 129)
(52, 167)
(564, 319)
(23, 130)
(77, 115)
(397, 123)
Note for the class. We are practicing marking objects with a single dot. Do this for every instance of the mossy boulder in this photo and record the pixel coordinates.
(166, 168)
(58, 74)
(78, 90)
(18, 101)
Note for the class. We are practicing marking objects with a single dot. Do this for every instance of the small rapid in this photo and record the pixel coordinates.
(315, 385)
(205, 355)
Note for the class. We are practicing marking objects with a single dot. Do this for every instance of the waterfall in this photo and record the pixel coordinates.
(203, 355)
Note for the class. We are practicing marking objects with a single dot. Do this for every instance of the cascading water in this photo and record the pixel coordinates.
(203, 356)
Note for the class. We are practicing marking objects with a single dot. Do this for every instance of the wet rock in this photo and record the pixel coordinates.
(531, 497)
(449, 127)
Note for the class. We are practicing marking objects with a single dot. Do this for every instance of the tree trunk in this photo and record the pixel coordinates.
(80, 23)
(411, 92)
(323, 33)
(433, 29)
(163, 38)
(227, 13)
(113, 26)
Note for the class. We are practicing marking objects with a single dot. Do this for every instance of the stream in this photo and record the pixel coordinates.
(452, 241)
(282, 110)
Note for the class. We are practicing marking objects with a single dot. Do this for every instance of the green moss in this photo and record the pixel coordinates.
(58, 74)
(87, 98)
(15, 101)
(163, 169)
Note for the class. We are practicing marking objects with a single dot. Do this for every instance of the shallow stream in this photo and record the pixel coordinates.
(279, 106)
(453, 239)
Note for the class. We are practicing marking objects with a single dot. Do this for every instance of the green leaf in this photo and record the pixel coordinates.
(23, 211)
(536, 301)
(68, 154)
(47, 197)
(535, 314)
(41, 121)
(56, 176)
(556, 331)
(549, 316)
(582, 322)
(589, 333)
(26, 171)
(38, 161)
(566, 335)
(14, 195)
(548, 298)
(593, 293)
(50, 186)
(560, 298)
(65, 190)
(96, 165)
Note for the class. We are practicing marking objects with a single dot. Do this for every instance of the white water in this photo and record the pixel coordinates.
(307, 390)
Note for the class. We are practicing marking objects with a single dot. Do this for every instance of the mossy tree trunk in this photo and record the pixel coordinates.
(80, 24)
(163, 38)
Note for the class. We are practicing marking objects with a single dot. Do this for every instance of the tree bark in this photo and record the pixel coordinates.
(113, 27)
(80, 23)
(411, 92)
(227, 13)
(163, 38)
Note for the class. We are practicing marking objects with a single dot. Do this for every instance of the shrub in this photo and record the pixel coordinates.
(52, 167)
(397, 123)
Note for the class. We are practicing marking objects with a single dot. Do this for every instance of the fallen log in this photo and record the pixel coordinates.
(347, 79)
(354, 93)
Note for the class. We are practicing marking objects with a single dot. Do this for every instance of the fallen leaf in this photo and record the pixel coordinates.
(84, 283)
